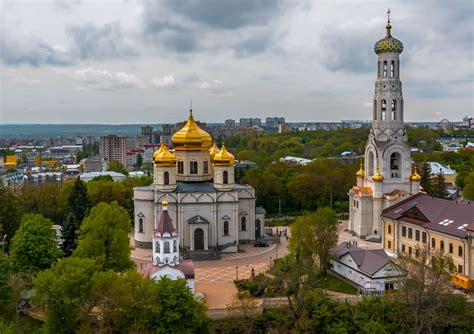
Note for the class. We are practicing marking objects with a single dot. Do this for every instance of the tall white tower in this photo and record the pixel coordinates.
(386, 179)
(165, 241)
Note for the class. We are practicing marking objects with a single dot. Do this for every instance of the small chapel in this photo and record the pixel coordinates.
(386, 175)
(208, 209)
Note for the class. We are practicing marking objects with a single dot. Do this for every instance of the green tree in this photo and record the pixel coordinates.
(65, 292)
(9, 214)
(134, 303)
(5, 289)
(314, 235)
(78, 207)
(174, 302)
(139, 163)
(425, 181)
(426, 287)
(103, 236)
(117, 167)
(468, 191)
(35, 245)
(439, 186)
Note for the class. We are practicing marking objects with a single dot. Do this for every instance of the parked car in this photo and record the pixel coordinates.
(261, 243)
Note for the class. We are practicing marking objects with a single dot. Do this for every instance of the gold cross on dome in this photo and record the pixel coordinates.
(388, 15)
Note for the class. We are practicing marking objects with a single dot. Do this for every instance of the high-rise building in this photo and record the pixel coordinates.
(229, 123)
(249, 122)
(386, 177)
(113, 148)
(274, 122)
(147, 132)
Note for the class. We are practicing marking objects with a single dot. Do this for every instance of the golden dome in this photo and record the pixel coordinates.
(360, 172)
(163, 157)
(214, 150)
(164, 203)
(191, 137)
(377, 176)
(223, 158)
(415, 177)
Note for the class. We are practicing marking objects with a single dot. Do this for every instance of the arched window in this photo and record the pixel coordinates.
(140, 225)
(180, 167)
(371, 163)
(166, 247)
(395, 162)
(175, 246)
(166, 178)
(394, 109)
(226, 228)
(460, 251)
(392, 69)
(243, 224)
(206, 167)
(389, 229)
(433, 243)
(193, 167)
(451, 248)
(225, 177)
(385, 68)
(384, 110)
(441, 245)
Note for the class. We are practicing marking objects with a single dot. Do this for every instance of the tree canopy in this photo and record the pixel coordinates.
(103, 236)
(35, 245)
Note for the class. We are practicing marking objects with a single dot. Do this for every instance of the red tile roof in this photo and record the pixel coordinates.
(165, 225)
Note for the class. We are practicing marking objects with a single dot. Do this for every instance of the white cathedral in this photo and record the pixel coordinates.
(196, 180)
(386, 176)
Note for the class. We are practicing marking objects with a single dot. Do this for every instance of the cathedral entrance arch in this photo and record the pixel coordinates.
(198, 239)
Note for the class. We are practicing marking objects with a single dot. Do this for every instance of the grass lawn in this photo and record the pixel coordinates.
(335, 284)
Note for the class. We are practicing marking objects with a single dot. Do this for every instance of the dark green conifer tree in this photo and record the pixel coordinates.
(439, 187)
(425, 181)
(78, 205)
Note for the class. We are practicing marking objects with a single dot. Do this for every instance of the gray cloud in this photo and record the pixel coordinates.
(19, 49)
(255, 44)
(204, 25)
(230, 14)
(100, 42)
(347, 50)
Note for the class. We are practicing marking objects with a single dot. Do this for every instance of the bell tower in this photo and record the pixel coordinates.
(385, 177)
(387, 148)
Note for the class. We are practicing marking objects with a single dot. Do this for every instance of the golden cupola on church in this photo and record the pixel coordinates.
(223, 158)
(163, 157)
(191, 137)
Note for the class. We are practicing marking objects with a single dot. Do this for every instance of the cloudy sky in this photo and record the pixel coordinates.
(140, 61)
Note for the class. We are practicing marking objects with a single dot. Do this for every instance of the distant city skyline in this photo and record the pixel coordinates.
(139, 62)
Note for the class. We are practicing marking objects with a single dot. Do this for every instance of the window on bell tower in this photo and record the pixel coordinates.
(180, 167)
(385, 68)
(394, 109)
(384, 109)
(392, 69)
(166, 178)
(395, 161)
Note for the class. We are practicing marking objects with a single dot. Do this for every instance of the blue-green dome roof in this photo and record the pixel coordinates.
(388, 44)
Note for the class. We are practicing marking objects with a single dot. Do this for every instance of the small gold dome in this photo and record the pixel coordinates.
(214, 150)
(377, 176)
(223, 158)
(163, 157)
(164, 203)
(415, 177)
(360, 172)
(191, 137)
